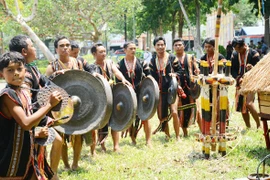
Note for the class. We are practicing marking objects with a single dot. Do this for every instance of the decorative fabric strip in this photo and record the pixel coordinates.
(242, 62)
(131, 70)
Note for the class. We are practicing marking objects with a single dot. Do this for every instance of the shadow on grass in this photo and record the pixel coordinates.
(259, 153)
(80, 170)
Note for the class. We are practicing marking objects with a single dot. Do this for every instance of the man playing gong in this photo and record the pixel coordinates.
(133, 71)
(107, 69)
(186, 66)
(65, 62)
(161, 69)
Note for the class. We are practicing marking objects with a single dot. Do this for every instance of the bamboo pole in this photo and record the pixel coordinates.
(215, 85)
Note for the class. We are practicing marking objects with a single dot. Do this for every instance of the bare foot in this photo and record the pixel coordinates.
(67, 167)
(133, 141)
(116, 149)
(149, 145)
(93, 154)
(185, 132)
(74, 167)
(55, 177)
(167, 138)
(103, 148)
(178, 139)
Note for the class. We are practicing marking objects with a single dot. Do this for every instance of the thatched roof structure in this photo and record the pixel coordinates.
(258, 78)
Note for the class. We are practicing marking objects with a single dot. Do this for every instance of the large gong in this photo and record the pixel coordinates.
(148, 98)
(108, 91)
(172, 90)
(195, 90)
(124, 107)
(63, 111)
(90, 101)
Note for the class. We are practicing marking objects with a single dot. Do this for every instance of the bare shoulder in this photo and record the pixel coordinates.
(6, 104)
(49, 70)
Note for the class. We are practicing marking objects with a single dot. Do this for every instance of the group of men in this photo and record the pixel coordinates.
(163, 66)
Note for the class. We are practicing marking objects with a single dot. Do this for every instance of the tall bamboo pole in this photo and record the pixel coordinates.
(215, 85)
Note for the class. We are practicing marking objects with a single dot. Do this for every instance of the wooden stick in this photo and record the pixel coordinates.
(215, 85)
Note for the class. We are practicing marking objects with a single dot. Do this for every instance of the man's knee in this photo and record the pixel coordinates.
(58, 139)
(249, 104)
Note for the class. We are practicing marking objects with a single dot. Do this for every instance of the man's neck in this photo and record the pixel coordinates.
(130, 58)
(180, 54)
(210, 54)
(64, 59)
(100, 62)
(244, 51)
(161, 54)
(28, 61)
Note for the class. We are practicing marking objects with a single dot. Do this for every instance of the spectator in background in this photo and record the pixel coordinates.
(74, 52)
(147, 56)
(229, 50)
(264, 48)
(259, 48)
(252, 45)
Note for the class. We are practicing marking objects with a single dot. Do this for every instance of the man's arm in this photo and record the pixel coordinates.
(49, 70)
(119, 75)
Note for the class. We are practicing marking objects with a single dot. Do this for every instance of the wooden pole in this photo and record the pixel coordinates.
(215, 85)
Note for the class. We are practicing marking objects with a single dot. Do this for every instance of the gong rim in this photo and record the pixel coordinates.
(89, 114)
(109, 107)
(172, 91)
(147, 107)
(124, 107)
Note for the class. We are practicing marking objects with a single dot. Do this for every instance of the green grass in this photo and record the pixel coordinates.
(171, 159)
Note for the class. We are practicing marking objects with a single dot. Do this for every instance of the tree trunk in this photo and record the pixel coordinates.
(266, 28)
(37, 41)
(173, 25)
(180, 23)
(22, 21)
(2, 43)
(197, 43)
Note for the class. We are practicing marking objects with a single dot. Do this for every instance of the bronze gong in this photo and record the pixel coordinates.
(148, 98)
(124, 107)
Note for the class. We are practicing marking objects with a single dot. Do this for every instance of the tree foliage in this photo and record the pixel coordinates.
(244, 14)
(264, 9)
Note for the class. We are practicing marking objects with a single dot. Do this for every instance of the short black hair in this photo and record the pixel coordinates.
(210, 41)
(74, 45)
(94, 47)
(177, 40)
(11, 56)
(59, 38)
(159, 38)
(17, 43)
(238, 41)
(127, 43)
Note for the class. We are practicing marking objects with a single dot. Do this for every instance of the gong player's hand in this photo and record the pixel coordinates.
(43, 133)
(127, 83)
(55, 98)
(172, 74)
